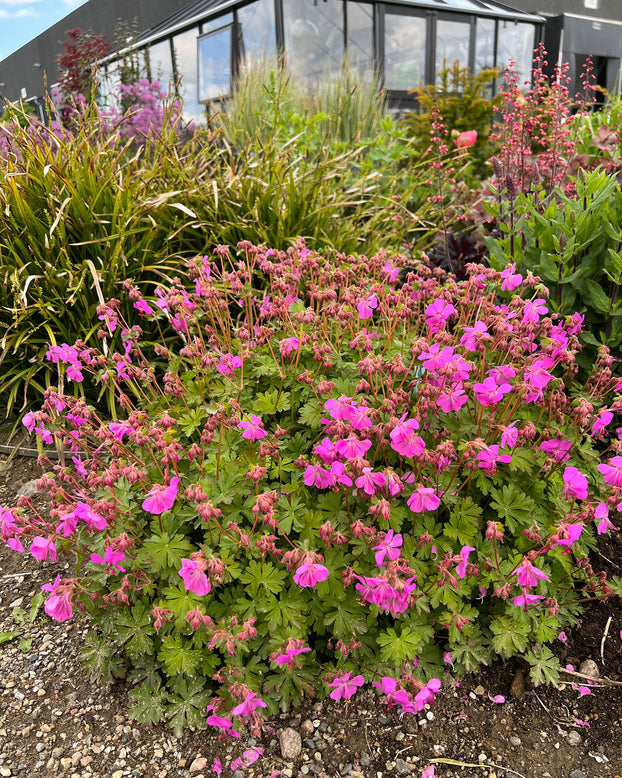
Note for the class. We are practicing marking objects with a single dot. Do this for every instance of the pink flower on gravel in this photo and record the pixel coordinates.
(394, 695)
(498, 699)
(251, 702)
(575, 484)
(389, 548)
(161, 498)
(58, 605)
(253, 429)
(367, 306)
(344, 686)
(221, 723)
(424, 498)
(309, 574)
(426, 695)
(195, 579)
(428, 772)
(41, 548)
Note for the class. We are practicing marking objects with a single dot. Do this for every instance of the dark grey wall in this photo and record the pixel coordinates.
(98, 16)
(607, 9)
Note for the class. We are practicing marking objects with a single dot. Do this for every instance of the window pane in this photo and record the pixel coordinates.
(452, 43)
(516, 41)
(404, 51)
(484, 44)
(216, 23)
(313, 37)
(185, 47)
(258, 29)
(160, 64)
(109, 80)
(215, 65)
(360, 35)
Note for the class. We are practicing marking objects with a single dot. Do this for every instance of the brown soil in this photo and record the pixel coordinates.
(50, 711)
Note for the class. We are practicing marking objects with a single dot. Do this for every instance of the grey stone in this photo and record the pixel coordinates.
(401, 767)
(200, 763)
(589, 668)
(577, 774)
(307, 728)
(291, 744)
(29, 489)
(574, 738)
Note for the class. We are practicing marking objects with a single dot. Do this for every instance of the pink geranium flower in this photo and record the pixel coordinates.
(461, 567)
(308, 575)
(58, 605)
(424, 498)
(352, 447)
(289, 657)
(575, 484)
(344, 686)
(404, 440)
(253, 429)
(161, 498)
(194, 577)
(489, 393)
(528, 575)
(228, 364)
(510, 280)
(221, 723)
(612, 473)
(558, 449)
(367, 306)
(473, 335)
(602, 514)
(110, 559)
(251, 702)
(389, 548)
(41, 548)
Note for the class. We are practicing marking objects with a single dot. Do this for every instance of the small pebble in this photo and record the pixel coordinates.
(574, 738)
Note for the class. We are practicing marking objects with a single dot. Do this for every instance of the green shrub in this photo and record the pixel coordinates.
(341, 479)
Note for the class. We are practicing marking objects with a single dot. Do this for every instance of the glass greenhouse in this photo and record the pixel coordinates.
(406, 42)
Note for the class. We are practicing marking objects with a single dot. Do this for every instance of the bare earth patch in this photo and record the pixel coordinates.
(55, 721)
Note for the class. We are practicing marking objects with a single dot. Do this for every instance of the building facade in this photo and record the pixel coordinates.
(205, 42)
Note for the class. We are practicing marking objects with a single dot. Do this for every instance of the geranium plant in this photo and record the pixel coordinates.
(343, 476)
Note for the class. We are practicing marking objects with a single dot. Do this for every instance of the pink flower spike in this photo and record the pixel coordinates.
(41, 548)
(161, 498)
(575, 484)
(499, 699)
(344, 686)
(308, 575)
(195, 579)
(253, 429)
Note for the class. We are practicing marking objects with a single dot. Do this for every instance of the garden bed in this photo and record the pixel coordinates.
(55, 721)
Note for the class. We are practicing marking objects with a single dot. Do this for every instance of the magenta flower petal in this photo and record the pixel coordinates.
(161, 498)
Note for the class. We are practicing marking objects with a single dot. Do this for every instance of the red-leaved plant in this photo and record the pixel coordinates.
(343, 476)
